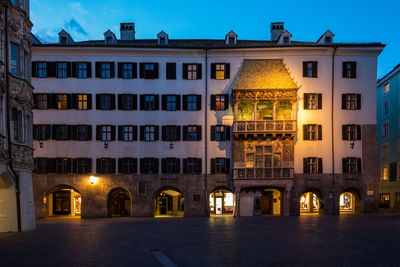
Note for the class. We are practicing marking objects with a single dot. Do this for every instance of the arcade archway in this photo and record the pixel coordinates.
(169, 202)
(221, 202)
(349, 202)
(260, 201)
(119, 203)
(63, 200)
(310, 204)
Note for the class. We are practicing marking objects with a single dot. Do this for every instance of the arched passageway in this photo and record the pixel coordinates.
(349, 203)
(310, 204)
(221, 202)
(169, 202)
(63, 200)
(119, 203)
(261, 201)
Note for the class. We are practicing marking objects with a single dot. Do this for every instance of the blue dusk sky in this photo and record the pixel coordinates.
(349, 20)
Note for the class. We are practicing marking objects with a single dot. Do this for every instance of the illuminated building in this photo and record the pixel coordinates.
(191, 127)
(16, 148)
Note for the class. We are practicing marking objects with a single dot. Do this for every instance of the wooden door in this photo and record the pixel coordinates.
(62, 202)
(266, 203)
(162, 205)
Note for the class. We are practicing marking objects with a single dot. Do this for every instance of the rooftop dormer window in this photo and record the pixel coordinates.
(162, 41)
(286, 40)
(231, 38)
(328, 39)
(162, 38)
(63, 40)
(108, 40)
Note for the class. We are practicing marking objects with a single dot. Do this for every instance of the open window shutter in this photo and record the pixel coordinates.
(358, 132)
(164, 133)
(320, 170)
(134, 134)
(304, 68)
(48, 133)
(98, 99)
(73, 66)
(171, 71)
(212, 165)
(358, 101)
(227, 71)
(199, 70)
(72, 132)
(69, 101)
(319, 132)
(89, 69)
(74, 165)
(344, 70)
(34, 69)
(112, 165)
(141, 70)
(134, 104)
(51, 165)
(184, 134)
(120, 132)
(70, 166)
(227, 133)
(305, 101)
(199, 166)
(226, 99)
(163, 165)
(34, 132)
(54, 101)
(113, 101)
(156, 132)
(212, 102)
(49, 101)
(393, 171)
(134, 71)
(98, 132)
(141, 102)
(198, 132)
(89, 101)
(344, 132)
(74, 101)
(359, 166)
(213, 71)
(178, 102)
(112, 132)
(198, 102)
(184, 71)
(156, 165)
(98, 165)
(164, 102)
(178, 133)
(157, 100)
(155, 70)
(120, 102)
(177, 165)
(54, 132)
(89, 132)
(69, 69)
(120, 70)
(305, 135)
(112, 71)
(227, 165)
(35, 100)
(120, 165)
(142, 133)
(134, 165)
(319, 101)
(213, 133)
(51, 69)
(98, 69)
(343, 101)
(142, 166)
(315, 69)
(184, 161)
(184, 102)
(344, 163)
(354, 72)
(306, 168)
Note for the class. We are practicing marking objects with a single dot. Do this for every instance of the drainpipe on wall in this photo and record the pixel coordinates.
(332, 127)
(205, 136)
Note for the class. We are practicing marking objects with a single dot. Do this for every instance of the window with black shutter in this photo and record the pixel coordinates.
(349, 69)
(220, 71)
(127, 165)
(40, 69)
(82, 132)
(83, 165)
(127, 102)
(220, 133)
(81, 70)
(171, 102)
(351, 132)
(41, 132)
(149, 102)
(127, 133)
(192, 133)
(312, 101)
(149, 133)
(105, 70)
(63, 69)
(219, 102)
(171, 133)
(41, 101)
(171, 71)
(105, 101)
(191, 102)
(105, 132)
(310, 69)
(41, 165)
(81, 101)
(61, 132)
(312, 165)
(312, 132)
(148, 165)
(220, 165)
(192, 166)
(170, 165)
(107, 165)
(191, 71)
(351, 165)
(148, 70)
(351, 101)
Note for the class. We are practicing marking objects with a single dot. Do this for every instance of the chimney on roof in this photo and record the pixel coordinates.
(128, 31)
(277, 29)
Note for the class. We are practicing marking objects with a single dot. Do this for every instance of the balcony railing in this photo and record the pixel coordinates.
(264, 126)
(263, 173)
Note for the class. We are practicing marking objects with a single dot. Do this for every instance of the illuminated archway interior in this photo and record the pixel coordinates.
(221, 202)
(120, 203)
(347, 203)
(309, 204)
(63, 202)
(169, 203)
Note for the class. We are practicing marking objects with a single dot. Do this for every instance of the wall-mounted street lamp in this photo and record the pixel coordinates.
(352, 144)
(93, 179)
(41, 144)
(105, 144)
(171, 145)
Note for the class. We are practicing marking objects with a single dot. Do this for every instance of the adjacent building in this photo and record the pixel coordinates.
(16, 151)
(388, 118)
(165, 127)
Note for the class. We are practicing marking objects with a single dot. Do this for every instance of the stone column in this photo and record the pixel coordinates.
(237, 203)
(293, 109)
(286, 202)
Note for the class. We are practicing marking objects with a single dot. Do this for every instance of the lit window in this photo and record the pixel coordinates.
(220, 71)
(62, 101)
(220, 102)
(386, 88)
(385, 173)
(82, 102)
(192, 71)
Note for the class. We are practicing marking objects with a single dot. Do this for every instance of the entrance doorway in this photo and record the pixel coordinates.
(221, 202)
(309, 204)
(169, 203)
(261, 201)
(119, 203)
(349, 202)
(63, 201)
(266, 203)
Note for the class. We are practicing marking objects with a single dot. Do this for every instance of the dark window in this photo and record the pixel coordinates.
(63, 101)
(192, 133)
(220, 165)
(393, 171)
(106, 133)
(192, 165)
(149, 133)
(310, 69)
(171, 133)
(105, 102)
(312, 101)
(349, 69)
(41, 165)
(384, 200)
(220, 133)
(41, 132)
(149, 102)
(171, 71)
(83, 132)
(127, 165)
(61, 132)
(17, 128)
(127, 133)
(285, 40)
(41, 70)
(105, 165)
(149, 70)
(42, 101)
(312, 165)
(231, 40)
(219, 102)
(170, 165)
(63, 165)
(351, 132)
(351, 101)
(127, 102)
(83, 165)
(162, 41)
(328, 39)
(61, 69)
(312, 132)
(149, 165)
(81, 70)
(351, 165)
(191, 71)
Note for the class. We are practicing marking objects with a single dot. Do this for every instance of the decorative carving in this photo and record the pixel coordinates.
(22, 154)
(272, 95)
(3, 148)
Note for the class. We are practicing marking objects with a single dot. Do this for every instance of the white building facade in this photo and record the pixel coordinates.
(196, 127)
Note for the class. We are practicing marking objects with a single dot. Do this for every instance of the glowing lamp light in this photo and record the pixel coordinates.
(93, 179)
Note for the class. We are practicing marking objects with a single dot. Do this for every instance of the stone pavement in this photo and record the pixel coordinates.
(350, 240)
